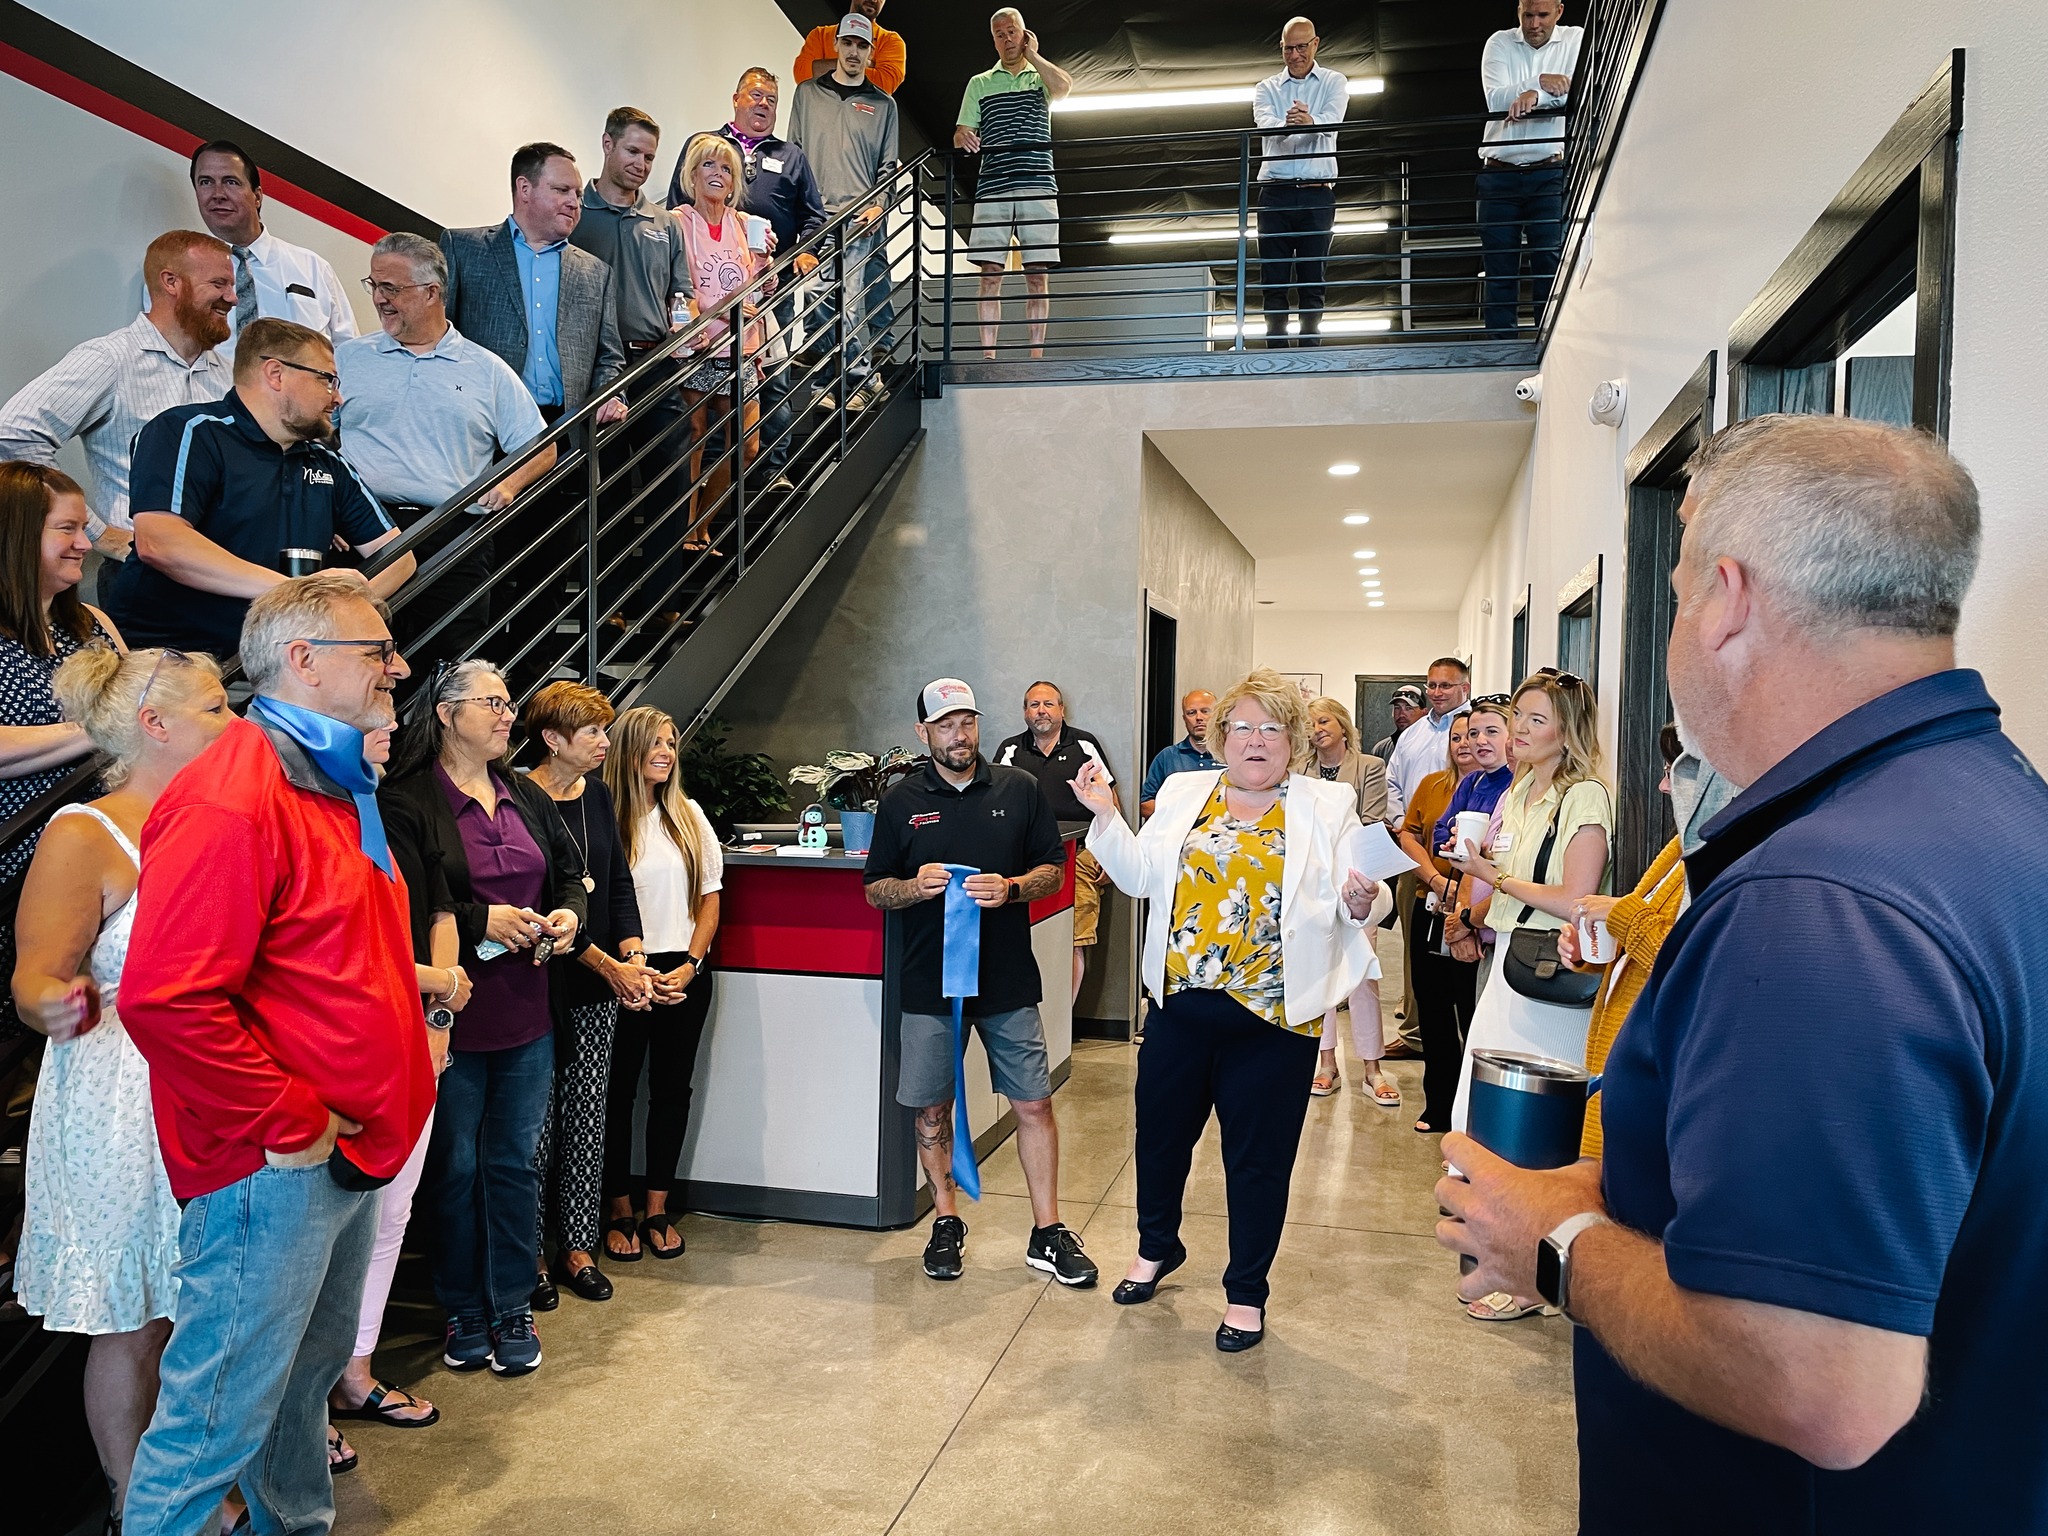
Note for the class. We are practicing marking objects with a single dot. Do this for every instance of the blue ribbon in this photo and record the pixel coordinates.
(336, 748)
(960, 978)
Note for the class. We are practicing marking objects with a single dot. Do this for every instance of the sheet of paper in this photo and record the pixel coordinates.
(1374, 854)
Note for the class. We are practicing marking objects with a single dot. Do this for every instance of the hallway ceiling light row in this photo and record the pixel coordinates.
(1334, 324)
(1355, 519)
(1193, 96)
(1185, 236)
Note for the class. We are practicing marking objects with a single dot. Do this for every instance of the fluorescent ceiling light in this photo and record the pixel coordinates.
(1368, 570)
(1363, 554)
(1375, 603)
(1333, 325)
(1368, 584)
(1191, 96)
(1346, 467)
(1355, 518)
(1194, 234)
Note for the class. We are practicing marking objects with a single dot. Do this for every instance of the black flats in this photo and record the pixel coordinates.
(545, 1297)
(1130, 1292)
(1235, 1341)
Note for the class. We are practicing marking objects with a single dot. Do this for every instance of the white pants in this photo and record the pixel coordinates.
(1368, 1037)
(393, 1212)
(1504, 1020)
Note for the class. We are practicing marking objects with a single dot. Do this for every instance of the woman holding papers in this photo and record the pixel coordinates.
(1264, 891)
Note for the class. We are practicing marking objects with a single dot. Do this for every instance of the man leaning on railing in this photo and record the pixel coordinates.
(1525, 69)
(1297, 195)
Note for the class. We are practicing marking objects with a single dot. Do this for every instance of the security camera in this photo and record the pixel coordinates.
(1609, 402)
(1530, 389)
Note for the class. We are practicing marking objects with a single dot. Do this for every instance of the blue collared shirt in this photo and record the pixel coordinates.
(1182, 757)
(540, 289)
(1327, 95)
(1832, 1096)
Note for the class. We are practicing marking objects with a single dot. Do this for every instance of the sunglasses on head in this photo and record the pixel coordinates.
(1563, 679)
(166, 654)
(1495, 698)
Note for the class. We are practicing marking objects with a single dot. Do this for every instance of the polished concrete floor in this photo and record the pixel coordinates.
(800, 1380)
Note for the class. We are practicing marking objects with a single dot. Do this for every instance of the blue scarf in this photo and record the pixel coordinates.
(337, 751)
(960, 977)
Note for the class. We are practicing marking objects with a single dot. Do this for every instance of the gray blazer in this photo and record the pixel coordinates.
(485, 304)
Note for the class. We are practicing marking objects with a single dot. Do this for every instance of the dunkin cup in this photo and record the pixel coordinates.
(1468, 833)
(1596, 944)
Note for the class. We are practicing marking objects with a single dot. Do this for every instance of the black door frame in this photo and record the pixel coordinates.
(1656, 478)
(1890, 232)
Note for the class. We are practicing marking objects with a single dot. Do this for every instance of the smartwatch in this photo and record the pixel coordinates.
(1012, 891)
(1554, 1259)
(442, 1019)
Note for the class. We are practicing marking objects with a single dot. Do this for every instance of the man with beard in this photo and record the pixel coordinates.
(996, 821)
(232, 497)
(271, 989)
(106, 390)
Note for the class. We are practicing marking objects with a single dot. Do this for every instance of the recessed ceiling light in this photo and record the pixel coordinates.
(1346, 468)
(1356, 518)
(1368, 570)
(1368, 584)
(1267, 602)
(1365, 554)
(1375, 603)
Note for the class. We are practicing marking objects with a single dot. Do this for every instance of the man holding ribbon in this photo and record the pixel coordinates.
(270, 986)
(962, 850)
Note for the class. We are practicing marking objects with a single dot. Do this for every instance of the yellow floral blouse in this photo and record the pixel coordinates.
(1226, 909)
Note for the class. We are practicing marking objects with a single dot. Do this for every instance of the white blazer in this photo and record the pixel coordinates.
(1324, 952)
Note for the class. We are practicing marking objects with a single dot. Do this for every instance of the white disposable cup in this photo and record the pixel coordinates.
(757, 235)
(1468, 833)
(1596, 944)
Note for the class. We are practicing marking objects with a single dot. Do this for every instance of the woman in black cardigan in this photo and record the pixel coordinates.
(513, 880)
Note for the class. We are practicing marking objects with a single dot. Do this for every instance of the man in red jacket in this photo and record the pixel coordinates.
(270, 986)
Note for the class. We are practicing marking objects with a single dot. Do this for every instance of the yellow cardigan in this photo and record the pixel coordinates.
(1640, 922)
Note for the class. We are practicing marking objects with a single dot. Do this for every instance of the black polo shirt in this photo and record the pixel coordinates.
(213, 465)
(1053, 770)
(1001, 824)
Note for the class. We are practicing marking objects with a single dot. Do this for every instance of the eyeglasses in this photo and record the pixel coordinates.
(166, 654)
(497, 706)
(1243, 730)
(387, 650)
(377, 290)
(331, 380)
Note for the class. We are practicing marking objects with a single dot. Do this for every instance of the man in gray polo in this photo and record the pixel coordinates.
(425, 411)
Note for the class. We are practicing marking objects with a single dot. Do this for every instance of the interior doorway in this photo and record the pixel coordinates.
(1162, 685)
(1373, 705)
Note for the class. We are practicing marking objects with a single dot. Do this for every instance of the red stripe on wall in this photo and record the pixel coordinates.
(147, 125)
(805, 922)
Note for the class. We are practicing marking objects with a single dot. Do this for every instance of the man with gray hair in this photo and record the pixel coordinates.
(424, 412)
(271, 989)
(1805, 1271)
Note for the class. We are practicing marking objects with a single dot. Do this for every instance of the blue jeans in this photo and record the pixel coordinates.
(481, 1180)
(1514, 205)
(270, 1280)
(870, 312)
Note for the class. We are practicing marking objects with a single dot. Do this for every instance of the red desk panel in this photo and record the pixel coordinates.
(801, 921)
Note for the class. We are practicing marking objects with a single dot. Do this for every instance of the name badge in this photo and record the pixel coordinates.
(770, 163)
(1503, 845)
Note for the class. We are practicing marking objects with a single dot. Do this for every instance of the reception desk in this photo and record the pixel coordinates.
(795, 1114)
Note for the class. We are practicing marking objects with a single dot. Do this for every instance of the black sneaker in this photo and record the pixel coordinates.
(942, 1253)
(515, 1347)
(1058, 1252)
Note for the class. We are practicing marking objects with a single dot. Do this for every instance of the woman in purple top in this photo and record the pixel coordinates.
(459, 821)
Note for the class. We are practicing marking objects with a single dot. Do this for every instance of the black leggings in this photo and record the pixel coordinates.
(665, 1038)
(1443, 1006)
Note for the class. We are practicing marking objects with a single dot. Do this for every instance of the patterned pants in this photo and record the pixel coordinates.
(570, 1158)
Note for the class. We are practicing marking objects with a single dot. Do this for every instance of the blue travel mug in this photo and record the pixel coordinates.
(1530, 1110)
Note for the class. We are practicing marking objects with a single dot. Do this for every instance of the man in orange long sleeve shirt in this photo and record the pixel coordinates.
(820, 52)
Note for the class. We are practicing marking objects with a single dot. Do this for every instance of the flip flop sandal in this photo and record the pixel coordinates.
(1500, 1307)
(385, 1404)
(340, 1456)
(652, 1243)
(623, 1225)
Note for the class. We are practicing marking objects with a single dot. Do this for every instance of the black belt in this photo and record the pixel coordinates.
(1522, 165)
(643, 346)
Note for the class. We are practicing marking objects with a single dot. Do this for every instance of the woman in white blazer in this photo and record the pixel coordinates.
(1260, 924)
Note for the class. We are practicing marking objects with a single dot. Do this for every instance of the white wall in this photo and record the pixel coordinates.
(1750, 117)
(1341, 646)
(426, 102)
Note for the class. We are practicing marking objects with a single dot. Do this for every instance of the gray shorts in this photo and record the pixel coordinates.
(1015, 1042)
(1034, 222)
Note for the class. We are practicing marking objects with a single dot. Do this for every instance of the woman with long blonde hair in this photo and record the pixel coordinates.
(677, 872)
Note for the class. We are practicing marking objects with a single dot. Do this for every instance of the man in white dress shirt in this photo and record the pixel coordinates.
(106, 390)
(1297, 196)
(1525, 69)
(1421, 750)
(273, 278)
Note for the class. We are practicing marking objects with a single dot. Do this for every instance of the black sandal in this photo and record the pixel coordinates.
(623, 1225)
(383, 1406)
(337, 1463)
(660, 1223)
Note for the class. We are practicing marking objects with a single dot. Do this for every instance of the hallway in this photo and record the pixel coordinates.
(805, 1380)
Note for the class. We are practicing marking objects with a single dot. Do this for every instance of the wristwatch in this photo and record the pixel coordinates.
(1012, 891)
(1554, 1259)
(442, 1019)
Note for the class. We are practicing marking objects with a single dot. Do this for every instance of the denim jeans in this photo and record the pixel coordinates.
(869, 310)
(1514, 205)
(270, 1281)
(485, 1193)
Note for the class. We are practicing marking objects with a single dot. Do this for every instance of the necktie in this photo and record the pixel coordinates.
(959, 978)
(245, 288)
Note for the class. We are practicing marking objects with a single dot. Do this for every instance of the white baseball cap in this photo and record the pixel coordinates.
(853, 24)
(946, 696)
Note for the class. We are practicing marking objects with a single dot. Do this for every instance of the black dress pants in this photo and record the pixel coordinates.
(1444, 990)
(1295, 224)
(665, 1039)
(1205, 1050)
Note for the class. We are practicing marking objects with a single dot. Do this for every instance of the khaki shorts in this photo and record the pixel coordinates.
(1088, 882)
(1034, 221)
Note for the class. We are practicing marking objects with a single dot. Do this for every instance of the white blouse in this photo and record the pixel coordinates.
(668, 916)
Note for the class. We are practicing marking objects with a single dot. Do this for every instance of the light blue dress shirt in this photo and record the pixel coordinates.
(1327, 95)
(540, 289)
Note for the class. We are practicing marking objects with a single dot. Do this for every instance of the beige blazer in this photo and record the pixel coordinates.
(1367, 776)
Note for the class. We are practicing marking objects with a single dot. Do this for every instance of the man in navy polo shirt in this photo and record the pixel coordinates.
(232, 497)
(1806, 1273)
(1189, 755)
(996, 821)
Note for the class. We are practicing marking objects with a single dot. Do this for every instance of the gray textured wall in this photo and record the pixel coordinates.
(1192, 560)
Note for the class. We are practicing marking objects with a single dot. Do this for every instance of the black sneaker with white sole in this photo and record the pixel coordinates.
(942, 1253)
(1059, 1253)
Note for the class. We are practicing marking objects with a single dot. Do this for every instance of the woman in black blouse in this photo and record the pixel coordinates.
(607, 973)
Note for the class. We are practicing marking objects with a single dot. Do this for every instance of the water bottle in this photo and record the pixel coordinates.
(678, 310)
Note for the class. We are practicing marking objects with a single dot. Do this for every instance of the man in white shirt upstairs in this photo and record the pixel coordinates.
(273, 278)
(1525, 70)
(1297, 182)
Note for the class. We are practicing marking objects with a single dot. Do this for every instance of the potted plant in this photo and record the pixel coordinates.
(730, 786)
(853, 783)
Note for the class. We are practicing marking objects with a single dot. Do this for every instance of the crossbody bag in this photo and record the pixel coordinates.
(1530, 961)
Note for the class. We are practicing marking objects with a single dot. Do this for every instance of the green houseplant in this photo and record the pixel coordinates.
(731, 786)
(853, 783)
